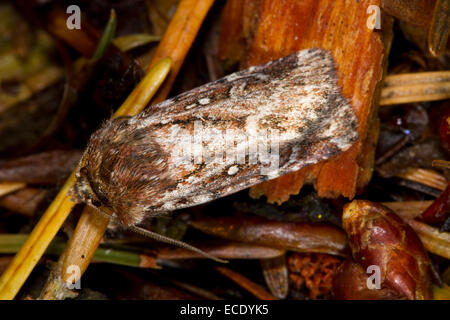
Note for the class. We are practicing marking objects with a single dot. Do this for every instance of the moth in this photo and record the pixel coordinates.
(218, 139)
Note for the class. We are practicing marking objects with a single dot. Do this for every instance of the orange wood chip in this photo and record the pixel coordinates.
(257, 31)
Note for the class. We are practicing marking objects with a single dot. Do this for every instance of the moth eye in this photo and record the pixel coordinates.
(96, 203)
(83, 171)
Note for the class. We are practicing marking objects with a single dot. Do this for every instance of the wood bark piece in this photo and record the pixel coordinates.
(258, 31)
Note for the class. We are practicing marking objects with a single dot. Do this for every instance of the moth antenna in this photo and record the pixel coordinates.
(181, 244)
(161, 238)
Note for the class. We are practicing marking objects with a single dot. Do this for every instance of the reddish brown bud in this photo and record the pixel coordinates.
(378, 237)
(445, 133)
(439, 211)
(350, 283)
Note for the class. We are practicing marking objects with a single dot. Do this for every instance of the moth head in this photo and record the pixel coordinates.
(82, 192)
(88, 187)
(123, 170)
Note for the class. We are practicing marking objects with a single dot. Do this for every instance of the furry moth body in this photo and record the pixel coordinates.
(129, 165)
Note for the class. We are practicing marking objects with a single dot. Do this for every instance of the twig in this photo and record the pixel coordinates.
(9, 187)
(246, 283)
(220, 249)
(178, 38)
(295, 236)
(11, 243)
(441, 164)
(426, 177)
(408, 209)
(392, 151)
(434, 241)
(25, 260)
(416, 87)
(439, 28)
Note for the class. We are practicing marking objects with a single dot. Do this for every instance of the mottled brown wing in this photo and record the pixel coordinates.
(220, 138)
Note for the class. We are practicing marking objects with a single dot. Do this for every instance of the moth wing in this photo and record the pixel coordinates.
(248, 127)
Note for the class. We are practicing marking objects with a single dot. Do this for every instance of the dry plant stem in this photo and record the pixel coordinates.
(84, 241)
(441, 164)
(246, 283)
(222, 249)
(426, 177)
(125, 256)
(56, 287)
(394, 150)
(26, 259)
(92, 226)
(178, 38)
(30, 253)
(439, 28)
(9, 187)
(300, 237)
(44, 79)
(276, 275)
(415, 87)
(408, 209)
(434, 241)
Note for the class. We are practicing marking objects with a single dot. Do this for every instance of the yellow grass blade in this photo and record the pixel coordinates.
(41, 236)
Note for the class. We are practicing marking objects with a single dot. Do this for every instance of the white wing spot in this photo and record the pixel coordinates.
(233, 170)
(190, 106)
(204, 101)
